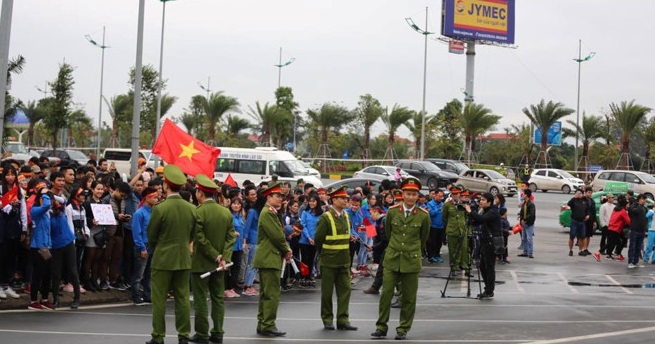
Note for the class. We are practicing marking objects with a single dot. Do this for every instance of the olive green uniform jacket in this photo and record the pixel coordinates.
(214, 236)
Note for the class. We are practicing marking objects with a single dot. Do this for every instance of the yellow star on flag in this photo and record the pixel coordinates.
(188, 151)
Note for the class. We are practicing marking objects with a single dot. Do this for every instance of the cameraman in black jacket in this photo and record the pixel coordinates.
(489, 221)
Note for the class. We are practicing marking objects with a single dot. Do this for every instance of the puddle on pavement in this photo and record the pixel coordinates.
(633, 285)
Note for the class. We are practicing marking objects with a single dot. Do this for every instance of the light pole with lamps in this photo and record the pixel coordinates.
(206, 89)
(425, 34)
(279, 67)
(579, 60)
(102, 75)
(44, 90)
(161, 67)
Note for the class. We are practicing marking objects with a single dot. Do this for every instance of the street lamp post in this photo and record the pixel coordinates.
(102, 75)
(138, 78)
(161, 67)
(279, 67)
(579, 60)
(425, 34)
(206, 89)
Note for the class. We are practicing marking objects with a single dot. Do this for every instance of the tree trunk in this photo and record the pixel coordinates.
(30, 135)
(211, 132)
(114, 132)
(625, 151)
(392, 140)
(367, 139)
(544, 144)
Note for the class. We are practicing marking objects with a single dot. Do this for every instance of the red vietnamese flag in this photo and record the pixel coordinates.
(230, 181)
(191, 155)
(10, 195)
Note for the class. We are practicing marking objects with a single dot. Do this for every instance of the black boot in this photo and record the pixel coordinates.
(76, 300)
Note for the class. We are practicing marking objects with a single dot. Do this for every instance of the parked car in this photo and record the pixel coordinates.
(312, 171)
(638, 182)
(352, 183)
(67, 156)
(480, 180)
(456, 167)
(546, 179)
(17, 151)
(428, 173)
(379, 172)
(565, 211)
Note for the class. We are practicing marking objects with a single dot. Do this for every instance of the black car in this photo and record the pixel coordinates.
(429, 174)
(453, 166)
(67, 156)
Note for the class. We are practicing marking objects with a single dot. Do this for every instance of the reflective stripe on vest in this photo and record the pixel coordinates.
(335, 236)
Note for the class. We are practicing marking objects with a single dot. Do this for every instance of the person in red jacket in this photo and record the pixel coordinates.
(618, 220)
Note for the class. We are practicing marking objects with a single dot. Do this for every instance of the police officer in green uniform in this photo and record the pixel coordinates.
(332, 242)
(170, 231)
(272, 250)
(407, 227)
(212, 248)
(454, 218)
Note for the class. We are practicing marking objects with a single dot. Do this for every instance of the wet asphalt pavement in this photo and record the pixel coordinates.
(553, 298)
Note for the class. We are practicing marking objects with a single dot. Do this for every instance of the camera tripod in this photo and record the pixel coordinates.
(458, 249)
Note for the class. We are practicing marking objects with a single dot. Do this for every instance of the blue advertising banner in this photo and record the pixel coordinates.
(483, 20)
(554, 134)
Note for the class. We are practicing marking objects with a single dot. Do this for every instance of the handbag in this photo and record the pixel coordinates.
(45, 253)
(101, 238)
(499, 245)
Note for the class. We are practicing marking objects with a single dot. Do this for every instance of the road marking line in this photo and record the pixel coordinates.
(566, 282)
(515, 277)
(595, 336)
(285, 339)
(618, 284)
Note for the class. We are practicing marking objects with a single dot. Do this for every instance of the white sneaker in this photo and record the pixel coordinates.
(631, 266)
(2, 294)
(639, 265)
(68, 288)
(11, 293)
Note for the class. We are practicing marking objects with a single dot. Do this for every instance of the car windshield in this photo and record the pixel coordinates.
(295, 166)
(431, 167)
(16, 147)
(77, 155)
(566, 174)
(494, 174)
(460, 167)
(305, 164)
(647, 178)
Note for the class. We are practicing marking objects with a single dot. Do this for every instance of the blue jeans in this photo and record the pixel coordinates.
(362, 255)
(529, 239)
(250, 271)
(578, 229)
(649, 247)
(636, 244)
(141, 275)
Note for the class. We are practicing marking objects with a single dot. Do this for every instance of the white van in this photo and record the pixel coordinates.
(257, 164)
(122, 159)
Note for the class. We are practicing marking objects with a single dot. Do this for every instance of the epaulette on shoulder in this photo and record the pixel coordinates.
(394, 206)
(272, 209)
(424, 210)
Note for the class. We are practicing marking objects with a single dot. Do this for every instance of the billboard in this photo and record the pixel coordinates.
(554, 134)
(456, 47)
(484, 20)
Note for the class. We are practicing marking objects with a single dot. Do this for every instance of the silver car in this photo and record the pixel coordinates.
(379, 172)
(479, 180)
(545, 179)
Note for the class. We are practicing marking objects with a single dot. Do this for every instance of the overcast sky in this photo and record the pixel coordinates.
(342, 49)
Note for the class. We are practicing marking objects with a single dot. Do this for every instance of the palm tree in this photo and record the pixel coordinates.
(235, 125)
(190, 121)
(215, 107)
(543, 116)
(399, 116)
(15, 66)
(34, 114)
(592, 129)
(79, 126)
(265, 117)
(475, 120)
(415, 126)
(120, 105)
(368, 111)
(628, 116)
(330, 117)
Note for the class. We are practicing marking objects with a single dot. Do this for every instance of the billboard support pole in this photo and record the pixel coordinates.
(470, 72)
(577, 111)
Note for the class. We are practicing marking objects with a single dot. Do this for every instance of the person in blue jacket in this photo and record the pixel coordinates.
(142, 251)
(40, 245)
(250, 241)
(309, 220)
(359, 232)
(437, 227)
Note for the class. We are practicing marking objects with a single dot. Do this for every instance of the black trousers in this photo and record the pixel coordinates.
(65, 258)
(377, 282)
(128, 256)
(435, 241)
(615, 242)
(488, 265)
(308, 253)
(603, 240)
(40, 276)
(232, 275)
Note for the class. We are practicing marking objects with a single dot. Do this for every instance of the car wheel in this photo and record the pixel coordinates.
(493, 190)
(432, 183)
(511, 195)
(649, 196)
(566, 189)
(533, 187)
(544, 190)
